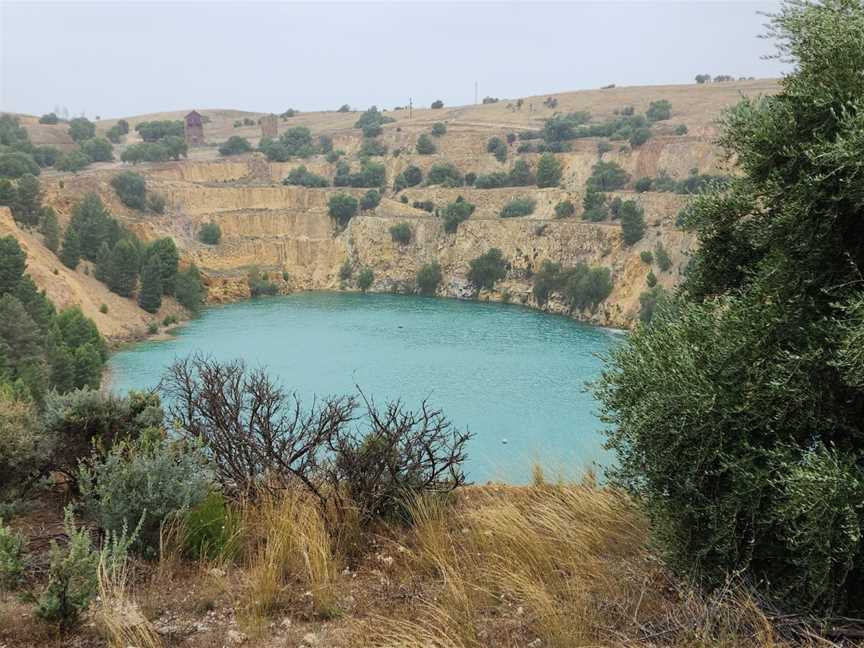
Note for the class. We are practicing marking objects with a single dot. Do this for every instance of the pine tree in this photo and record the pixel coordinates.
(12, 264)
(50, 229)
(102, 263)
(88, 367)
(122, 272)
(548, 171)
(188, 289)
(169, 259)
(70, 255)
(150, 297)
(29, 203)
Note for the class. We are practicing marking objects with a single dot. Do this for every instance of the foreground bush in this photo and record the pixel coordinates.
(379, 454)
(736, 414)
(487, 269)
(429, 278)
(143, 484)
(518, 207)
(210, 233)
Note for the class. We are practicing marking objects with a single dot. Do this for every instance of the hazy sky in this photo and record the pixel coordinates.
(127, 58)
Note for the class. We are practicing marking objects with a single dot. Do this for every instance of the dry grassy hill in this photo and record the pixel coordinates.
(286, 231)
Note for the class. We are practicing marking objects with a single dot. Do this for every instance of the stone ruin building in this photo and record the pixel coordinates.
(194, 129)
(269, 126)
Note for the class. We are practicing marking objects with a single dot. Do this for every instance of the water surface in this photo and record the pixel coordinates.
(513, 376)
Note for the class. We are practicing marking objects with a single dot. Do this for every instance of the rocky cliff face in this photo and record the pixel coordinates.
(286, 232)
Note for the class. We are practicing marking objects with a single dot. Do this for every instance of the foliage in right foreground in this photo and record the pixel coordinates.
(738, 412)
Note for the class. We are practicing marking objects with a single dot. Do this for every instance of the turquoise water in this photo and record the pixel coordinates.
(513, 376)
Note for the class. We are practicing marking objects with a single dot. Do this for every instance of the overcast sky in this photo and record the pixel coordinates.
(125, 58)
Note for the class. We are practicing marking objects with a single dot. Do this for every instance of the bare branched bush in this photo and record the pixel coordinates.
(260, 439)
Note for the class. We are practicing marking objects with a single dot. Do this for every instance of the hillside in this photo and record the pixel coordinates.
(286, 232)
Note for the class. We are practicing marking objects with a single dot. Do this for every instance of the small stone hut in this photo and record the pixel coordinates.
(194, 129)
(269, 126)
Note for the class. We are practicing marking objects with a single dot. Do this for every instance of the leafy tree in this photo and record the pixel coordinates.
(681, 129)
(401, 233)
(155, 203)
(372, 130)
(169, 260)
(8, 194)
(45, 156)
(131, 188)
(429, 278)
(72, 162)
(14, 164)
(145, 152)
(370, 200)
(643, 184)
(584, 287)
(549, 171)
(607, 176)
(150, 295)
(518, 207)
(153, 131)
(439, 129)
(81, 128)
(632, 222)
(564, 209)
(411, 176)
(121, 275)
(425, 145)
(50, 229)
(94, 225)
(210, 233)
(365, 279)
(98, 149)
(175, 146)
(651, 279)
(50, 119)
(189, 289)
(12, 264)
(28, 202)
(70, 254)
(445, 174)
(371, 147)
(455, 213)
(372, 117)
(437, 104)
(487, 269)
(325, 144)
(344, 108)
(342, 207)
(235, 145)
(640, 136)
(664, 262)
(305, 178)
(745, 441)
(520, 175)
(497, 147)
(659, 111)
(547, 280)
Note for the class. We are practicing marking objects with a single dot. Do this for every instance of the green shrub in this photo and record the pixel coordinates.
(235, 145)
(211, 530)
(651, 279)
(72, 578)
(370, 200)
(72, 162)
(45, 156)
(607, 176)
(153, 131)
(424, 145)
(210, 233)
(302, 177)
(445, 174)
(401, 233)
(372, 117)
(50, 118)
(649, 301)
(437, 104)
(487, 269)
(152, 328)
(325, 144)
(518, 207)
(632, 222)
(155, 203)
(640, 136)
(81, 128)
(584, 287)
(146, 483)
(549, 171)
(681, 129)
(371, 131)
(439, 129)
(546, 281)
(103, 309)
(371, 147)
(189, 289)
(365, 279)
(497, 147)
(429, 278)
(455, 213)
(131, 188)
(411, 176)
(664, 262)
(342, 207)
(603, 147)
(646, 257)
(643, 184)
(565, 209)
(13, 557)
(259, 285)
(98, 149)
(659, 111)
(333, 156)
(470, 178)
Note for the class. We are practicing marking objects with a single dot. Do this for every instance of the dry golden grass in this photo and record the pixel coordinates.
(118, 615)
(566, 564)
(289, 544)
